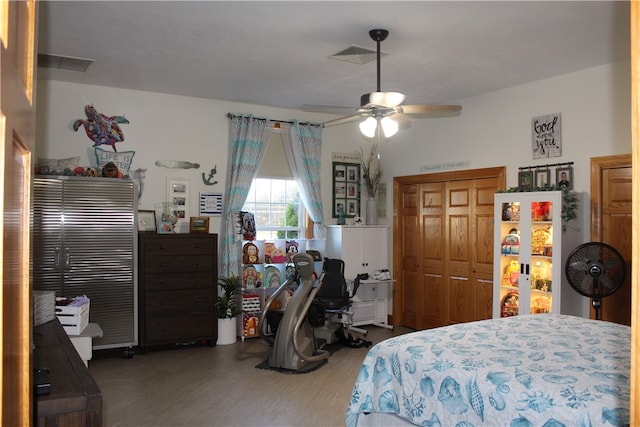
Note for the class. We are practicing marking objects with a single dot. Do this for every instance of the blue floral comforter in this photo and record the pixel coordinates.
(534, 370)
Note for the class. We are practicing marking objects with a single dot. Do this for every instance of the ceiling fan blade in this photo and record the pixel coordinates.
(342, 120)
(329, 109)
(430, 109)
(403, 121)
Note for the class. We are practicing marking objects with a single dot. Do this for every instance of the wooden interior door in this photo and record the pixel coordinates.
(611, 222)
(17, 128)
(443, 247)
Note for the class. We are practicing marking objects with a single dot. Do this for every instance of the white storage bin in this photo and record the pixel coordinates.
(73, 319)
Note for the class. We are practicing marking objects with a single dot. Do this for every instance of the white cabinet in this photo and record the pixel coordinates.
(364, 249)
(530, 251)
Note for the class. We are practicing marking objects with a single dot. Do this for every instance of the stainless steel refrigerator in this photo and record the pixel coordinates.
(84, 243)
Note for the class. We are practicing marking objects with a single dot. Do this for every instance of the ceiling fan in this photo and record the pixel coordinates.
(382, 111)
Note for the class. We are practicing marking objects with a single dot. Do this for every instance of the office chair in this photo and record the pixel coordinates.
(335, 302)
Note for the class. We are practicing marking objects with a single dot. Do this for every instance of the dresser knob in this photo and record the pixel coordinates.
(163, 303)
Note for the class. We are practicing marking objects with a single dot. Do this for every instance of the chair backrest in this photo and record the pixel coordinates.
(333, 292)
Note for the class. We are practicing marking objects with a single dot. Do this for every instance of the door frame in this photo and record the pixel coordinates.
(498, 172)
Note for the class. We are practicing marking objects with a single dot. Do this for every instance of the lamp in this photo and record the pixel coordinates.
(369, 126)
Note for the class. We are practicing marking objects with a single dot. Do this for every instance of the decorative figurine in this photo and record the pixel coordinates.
(101, 129)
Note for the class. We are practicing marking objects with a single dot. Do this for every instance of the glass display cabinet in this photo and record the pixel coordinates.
(530, 250)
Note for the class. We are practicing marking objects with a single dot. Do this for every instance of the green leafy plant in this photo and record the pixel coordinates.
(228, 303)
(570, 201)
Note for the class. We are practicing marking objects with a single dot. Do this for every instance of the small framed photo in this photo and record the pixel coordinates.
(165, 227)
(352, 174)
(564, 177)
(199, 224)
(543, 177)
(525, 180)
(146, 221)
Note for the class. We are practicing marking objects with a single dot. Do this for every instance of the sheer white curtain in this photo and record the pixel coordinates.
(303, 148)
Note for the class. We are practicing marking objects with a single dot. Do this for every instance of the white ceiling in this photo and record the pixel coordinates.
(277, 53)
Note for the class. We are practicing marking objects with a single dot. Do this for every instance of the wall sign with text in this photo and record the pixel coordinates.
(546, 136)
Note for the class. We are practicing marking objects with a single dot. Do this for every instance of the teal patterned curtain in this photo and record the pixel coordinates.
(247, 142)
(303, 147)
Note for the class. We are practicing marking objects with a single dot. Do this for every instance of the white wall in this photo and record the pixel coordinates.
(492, 130)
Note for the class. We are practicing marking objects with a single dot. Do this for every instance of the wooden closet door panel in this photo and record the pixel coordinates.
(434, 306)
(482, 253)
(409, 295)
(459, 283)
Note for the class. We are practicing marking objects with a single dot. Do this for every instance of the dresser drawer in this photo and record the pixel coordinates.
(180, 328)
(182, 245)
(177, 281)
(196, 300)
(179, 263)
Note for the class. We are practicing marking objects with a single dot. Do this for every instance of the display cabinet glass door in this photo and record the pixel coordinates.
(526, 269)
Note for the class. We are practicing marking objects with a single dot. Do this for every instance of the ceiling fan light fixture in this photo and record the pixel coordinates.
(389, 127)
(368, 127)
(382, 99)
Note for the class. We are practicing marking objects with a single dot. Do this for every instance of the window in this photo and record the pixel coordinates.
(275, 204)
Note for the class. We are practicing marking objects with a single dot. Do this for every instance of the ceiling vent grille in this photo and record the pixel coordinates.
(66, 63)
(357, 55)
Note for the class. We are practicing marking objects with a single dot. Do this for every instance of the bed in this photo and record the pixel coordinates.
(533, 370)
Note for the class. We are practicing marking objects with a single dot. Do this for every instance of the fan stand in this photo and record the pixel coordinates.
(595, 271)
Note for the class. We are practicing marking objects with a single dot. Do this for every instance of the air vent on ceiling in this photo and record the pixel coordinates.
(357, 55)
(66, 63)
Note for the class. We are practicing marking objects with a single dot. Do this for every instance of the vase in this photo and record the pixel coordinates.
(226, 331)
(372, 211)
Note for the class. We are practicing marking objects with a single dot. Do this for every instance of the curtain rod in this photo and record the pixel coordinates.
(229, 115)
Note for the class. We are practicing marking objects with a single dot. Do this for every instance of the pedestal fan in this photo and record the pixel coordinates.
(595, 270)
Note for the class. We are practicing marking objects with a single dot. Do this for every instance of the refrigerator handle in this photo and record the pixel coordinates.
(67, 258)
(56, 258)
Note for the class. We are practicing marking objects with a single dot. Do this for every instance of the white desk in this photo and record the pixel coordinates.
(370, 303)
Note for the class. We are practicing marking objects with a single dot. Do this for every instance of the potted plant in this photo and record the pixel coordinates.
(228, 307)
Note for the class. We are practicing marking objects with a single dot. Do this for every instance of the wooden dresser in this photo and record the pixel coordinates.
(75, 399)
(177, 288)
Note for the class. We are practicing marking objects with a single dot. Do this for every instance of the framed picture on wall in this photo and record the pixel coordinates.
(543, 177)
(146, 221)
(346, 189)
(178, 197)
(564, 177)
(525, 180)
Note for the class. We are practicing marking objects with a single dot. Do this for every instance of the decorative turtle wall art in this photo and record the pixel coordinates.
(100, 128)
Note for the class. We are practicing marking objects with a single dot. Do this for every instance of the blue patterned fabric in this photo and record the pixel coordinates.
(533, 370)
(247, 141)
(303, 148)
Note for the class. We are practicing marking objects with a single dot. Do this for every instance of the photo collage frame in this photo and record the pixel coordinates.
(346, 189)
